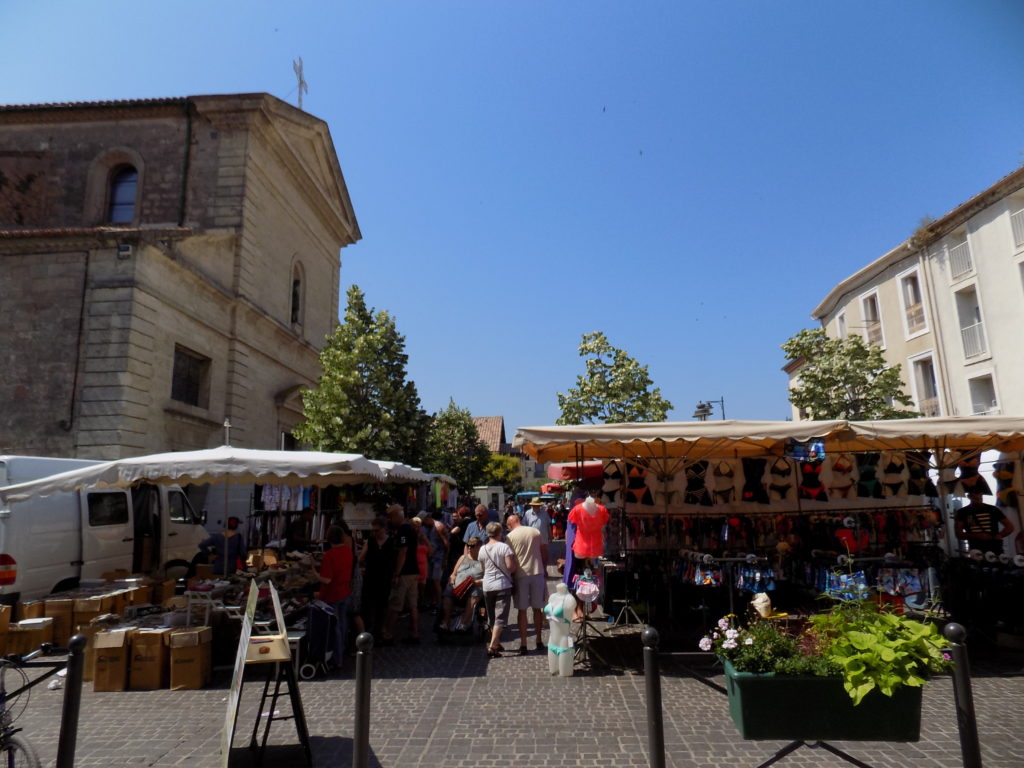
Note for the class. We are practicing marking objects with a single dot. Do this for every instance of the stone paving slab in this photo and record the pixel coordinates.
(451, 707)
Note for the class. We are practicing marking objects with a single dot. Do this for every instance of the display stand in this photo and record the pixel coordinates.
(587, 630)
(280, 672)
(793, 746)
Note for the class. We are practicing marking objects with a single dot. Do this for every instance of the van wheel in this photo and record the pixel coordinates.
(178, 569)
(65, 586)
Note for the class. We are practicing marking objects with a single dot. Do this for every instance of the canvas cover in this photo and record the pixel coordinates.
(213, 465)
(697, 440)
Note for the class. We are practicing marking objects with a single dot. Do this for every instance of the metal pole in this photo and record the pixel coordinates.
(967, 723)
(652, 685)
(72, 703)
(364, 672)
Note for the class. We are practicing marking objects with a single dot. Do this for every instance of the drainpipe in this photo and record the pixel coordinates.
(186, 163)
(67, 423)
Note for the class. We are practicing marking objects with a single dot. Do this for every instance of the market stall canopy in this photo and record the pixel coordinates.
(444, 479)
(397, 472)
(570, 470)
(213, 465)
(695, 440)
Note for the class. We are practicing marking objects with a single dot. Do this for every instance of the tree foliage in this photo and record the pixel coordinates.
(844, 378)
(454, 447)
(363, 402)
(614, 389)
(503, 470)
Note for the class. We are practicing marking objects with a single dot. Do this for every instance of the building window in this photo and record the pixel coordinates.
(983, 396)
(121, 196)
(189, 382)
(297, 302)
(1017, 222)
(841, 325)
(972, 329)
(872, 319)
(959, 256)
(926, 387)
(913, 306)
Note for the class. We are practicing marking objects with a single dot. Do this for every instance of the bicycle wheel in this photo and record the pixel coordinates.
(16, 752)
(13, 677)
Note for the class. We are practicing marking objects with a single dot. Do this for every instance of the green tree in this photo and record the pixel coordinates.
(615, 388)
(503, 470)
(363, 402)
(454, 447)
(844, 378)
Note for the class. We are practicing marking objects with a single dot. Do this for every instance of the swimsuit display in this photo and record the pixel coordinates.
(753, 481)
(696, 488)
(844, 484)
(810, 481)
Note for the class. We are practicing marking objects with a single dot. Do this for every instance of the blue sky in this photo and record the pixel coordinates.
(689, 177)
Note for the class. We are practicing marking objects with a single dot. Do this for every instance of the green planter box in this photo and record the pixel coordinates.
(768, 706)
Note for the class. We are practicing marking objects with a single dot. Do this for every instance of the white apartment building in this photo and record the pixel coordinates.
(948, 306)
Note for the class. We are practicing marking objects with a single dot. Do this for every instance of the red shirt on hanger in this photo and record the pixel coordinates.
(588, 541)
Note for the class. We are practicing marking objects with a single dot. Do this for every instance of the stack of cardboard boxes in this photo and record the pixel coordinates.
(123, 652)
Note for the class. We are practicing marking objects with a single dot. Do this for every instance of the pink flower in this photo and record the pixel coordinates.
(729, 645)
(723, 623)
(705, 644)
(748, 641)
(731, 634)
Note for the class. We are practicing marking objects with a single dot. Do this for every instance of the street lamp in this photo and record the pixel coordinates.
(704, 409)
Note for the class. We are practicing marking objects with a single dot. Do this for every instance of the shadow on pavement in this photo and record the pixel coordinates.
(328, 751)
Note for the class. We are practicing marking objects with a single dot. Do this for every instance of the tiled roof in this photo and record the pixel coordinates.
(492, 431)
(101, 104)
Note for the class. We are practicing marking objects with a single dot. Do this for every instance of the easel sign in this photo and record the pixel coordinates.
(235, 692)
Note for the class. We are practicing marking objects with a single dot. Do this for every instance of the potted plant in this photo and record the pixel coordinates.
(854, 674)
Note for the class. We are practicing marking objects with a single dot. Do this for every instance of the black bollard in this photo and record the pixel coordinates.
(72, 703)
(364, 672)
(652, 684)
(967, 723)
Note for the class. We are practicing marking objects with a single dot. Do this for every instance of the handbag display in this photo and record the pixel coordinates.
(463, 587)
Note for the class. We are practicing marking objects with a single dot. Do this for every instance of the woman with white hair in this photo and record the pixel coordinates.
(499, 563)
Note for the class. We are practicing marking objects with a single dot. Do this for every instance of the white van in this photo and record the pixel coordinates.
(48, 543)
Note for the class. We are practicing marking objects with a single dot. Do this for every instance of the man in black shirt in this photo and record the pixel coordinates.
(982, 525)
(404, 578)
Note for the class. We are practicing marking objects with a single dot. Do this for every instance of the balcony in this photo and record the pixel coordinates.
(915, 318)
(960, 260)
(929, 407)
(874, 331)
(1017, 221)
(974, 340)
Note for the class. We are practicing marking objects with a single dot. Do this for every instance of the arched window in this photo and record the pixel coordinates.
(121, 206)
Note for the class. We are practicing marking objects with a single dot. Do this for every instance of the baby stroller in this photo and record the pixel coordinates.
(320, 623)
(475, 631)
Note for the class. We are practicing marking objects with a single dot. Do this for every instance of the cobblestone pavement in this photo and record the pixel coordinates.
(449, 707)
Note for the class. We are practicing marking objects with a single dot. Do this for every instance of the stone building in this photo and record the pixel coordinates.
(165, 264)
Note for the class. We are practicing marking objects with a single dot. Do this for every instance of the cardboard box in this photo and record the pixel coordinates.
(33, 609)
(162, 591)
(148, 669)
(5, 622)
(204, 570)
(89, 633)
(190, 657)
(27, 635)
(118, 573)
(142, 595)
(62, 612)
(86, 609)
(110, 667)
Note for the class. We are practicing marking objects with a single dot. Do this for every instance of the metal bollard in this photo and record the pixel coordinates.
(967, 723)
(652, 685)
(364, 672)
(72, 703)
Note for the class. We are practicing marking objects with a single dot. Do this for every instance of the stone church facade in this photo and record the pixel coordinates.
(165, 264)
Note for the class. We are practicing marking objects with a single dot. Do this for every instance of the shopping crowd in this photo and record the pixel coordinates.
(465, 576)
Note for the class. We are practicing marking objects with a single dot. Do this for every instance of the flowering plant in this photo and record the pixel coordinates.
(865, 645)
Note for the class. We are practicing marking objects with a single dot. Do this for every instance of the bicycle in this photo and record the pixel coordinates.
(15, 750)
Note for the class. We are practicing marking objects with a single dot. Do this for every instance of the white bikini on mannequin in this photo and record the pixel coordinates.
(559, 610)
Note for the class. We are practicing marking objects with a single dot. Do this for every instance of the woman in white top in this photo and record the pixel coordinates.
(499, 563)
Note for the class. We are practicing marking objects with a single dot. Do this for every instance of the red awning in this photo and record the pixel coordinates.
(570, 470)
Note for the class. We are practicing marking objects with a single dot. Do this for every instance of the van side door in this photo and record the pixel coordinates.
(107, 532)
(183, 528)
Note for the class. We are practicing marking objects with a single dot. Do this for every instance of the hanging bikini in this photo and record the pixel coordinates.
(612, 481)
(893, 467)
(970, 479)
(637, 491)
(753, 481)
(868, 484)
(780, 481)
(810, 481)
(1006, 493)
(844, 483)
(696, 487)
(725, 482)
(919, 482)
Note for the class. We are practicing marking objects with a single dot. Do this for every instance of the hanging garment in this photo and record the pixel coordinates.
(724, 479)
(1006, 493)
(753, 481)
(868, 484)
(696, 487)
(810, 481)
(636, 486)
(780, 479)
(919, 483)
(843, 484)
(612, 481)
(970, 479)
(894, 466)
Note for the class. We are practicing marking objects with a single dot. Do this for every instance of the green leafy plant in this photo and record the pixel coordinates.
(877, 648)
(868, 647)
